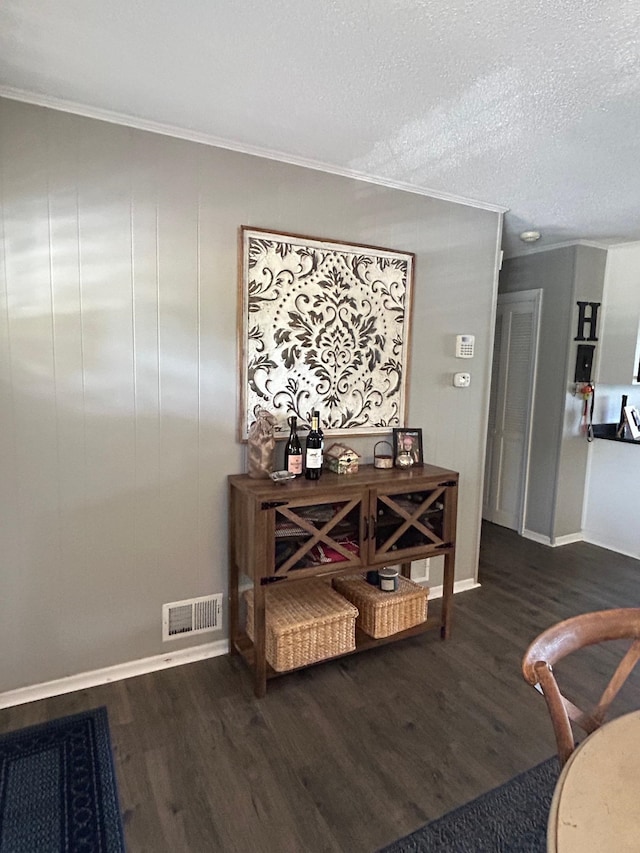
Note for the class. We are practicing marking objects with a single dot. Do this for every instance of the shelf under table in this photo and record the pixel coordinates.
(244, 645)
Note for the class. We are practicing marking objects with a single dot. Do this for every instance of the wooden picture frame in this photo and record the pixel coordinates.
(323, 325)
(407, 440)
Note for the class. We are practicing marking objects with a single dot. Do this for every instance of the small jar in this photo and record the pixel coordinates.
(404, 459)
(388, 579)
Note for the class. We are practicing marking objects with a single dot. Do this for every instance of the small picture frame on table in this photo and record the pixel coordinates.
(407, 447)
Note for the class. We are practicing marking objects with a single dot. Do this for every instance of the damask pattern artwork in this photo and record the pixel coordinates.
(325, 325)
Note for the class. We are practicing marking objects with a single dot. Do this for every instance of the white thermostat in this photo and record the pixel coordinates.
(464, 346)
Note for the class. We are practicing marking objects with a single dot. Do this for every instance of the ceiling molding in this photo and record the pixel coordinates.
(538, 249)
(205, 139)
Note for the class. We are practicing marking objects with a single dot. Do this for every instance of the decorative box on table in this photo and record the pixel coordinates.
(382, 614)
(306, 621)
(341, 459)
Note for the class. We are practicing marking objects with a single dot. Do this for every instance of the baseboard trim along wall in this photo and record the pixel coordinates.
(85, 680)
(120, 671)
(568, 539)
(536, 537)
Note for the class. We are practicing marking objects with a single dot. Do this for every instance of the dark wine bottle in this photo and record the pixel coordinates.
(313, 450)
(293, 449)
(317, 414)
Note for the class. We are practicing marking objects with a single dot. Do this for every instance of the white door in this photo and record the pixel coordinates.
(511, 407)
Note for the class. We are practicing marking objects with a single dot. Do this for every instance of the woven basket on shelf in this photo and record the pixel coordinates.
(306, 621)
(382, 614)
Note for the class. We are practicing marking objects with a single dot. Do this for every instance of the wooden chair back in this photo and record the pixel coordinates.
(561, 640)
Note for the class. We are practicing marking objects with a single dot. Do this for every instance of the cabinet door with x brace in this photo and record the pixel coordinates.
(308, 536)
(402, 524)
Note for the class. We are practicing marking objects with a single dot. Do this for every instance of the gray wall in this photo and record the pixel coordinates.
(588, 286)
(119, 376)
(553, 272)
(611, 513)
(558, 450)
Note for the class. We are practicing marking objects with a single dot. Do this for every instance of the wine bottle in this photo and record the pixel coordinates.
(293, 449)
(317, 414)
(313, 450)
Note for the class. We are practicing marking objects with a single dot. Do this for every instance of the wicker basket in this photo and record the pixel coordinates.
(382, 614)
(306, 622)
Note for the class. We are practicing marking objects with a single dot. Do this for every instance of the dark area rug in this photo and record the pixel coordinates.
(509, 819)
(58, 788)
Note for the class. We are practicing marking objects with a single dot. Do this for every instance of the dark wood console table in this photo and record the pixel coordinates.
(370, 519)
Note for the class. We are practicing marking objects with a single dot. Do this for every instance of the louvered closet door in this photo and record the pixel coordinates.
(510, 409)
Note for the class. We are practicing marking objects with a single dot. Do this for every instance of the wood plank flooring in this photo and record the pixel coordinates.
(350, 755)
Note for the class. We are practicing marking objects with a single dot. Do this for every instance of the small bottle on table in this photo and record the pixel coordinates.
(313, 450)
(293, 449)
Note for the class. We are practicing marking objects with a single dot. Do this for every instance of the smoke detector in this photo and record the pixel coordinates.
(530, 236)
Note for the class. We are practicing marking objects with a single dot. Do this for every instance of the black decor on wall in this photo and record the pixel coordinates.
(324, 325)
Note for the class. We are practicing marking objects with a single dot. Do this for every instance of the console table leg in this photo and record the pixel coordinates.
(447, 594)
(234, 579)
(259, 645)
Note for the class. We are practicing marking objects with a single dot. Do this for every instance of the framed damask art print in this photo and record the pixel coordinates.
(323, 325)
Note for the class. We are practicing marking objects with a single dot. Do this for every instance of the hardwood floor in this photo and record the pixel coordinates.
(352, 754)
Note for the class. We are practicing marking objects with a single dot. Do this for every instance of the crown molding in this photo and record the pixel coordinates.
(113, 117)
(594, 244)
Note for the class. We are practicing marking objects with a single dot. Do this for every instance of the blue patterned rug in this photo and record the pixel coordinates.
(508, 819)
(58, 789)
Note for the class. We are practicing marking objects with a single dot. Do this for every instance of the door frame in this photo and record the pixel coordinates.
(535, 297)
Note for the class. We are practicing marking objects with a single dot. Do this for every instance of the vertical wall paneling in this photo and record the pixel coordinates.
(119, 373)
(146, 376)
(34, 542)
(66, 318)
(179, 354)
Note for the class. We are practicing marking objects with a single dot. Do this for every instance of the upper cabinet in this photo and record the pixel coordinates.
(620, 330)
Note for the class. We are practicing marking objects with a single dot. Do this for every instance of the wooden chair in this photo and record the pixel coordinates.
(561, 640)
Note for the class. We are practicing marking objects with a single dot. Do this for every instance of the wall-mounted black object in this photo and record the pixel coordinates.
(584, 363)
(621, 420)
(591, 321)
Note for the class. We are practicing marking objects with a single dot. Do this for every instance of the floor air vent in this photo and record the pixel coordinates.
(191, 616)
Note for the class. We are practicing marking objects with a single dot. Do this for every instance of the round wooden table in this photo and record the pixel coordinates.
(596, 803)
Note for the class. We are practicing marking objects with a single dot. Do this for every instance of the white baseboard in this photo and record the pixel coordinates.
(84, 680)
(120, 671)
(458, 586)
(536, 537)
(568, 539)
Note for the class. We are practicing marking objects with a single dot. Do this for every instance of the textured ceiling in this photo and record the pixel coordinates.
(534, 108)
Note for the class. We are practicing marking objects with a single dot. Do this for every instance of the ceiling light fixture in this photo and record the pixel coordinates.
(530, 236)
